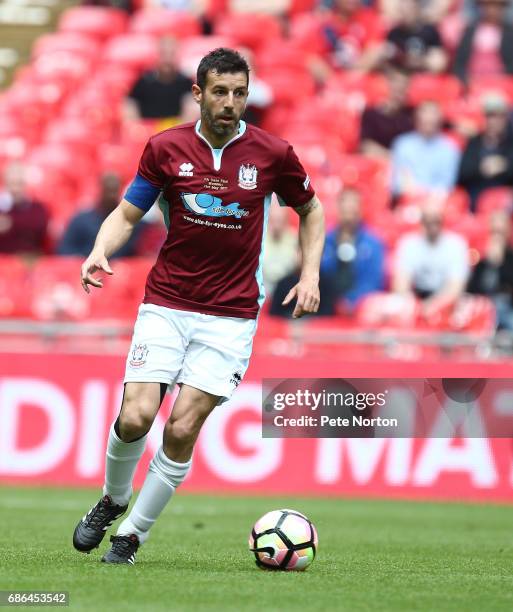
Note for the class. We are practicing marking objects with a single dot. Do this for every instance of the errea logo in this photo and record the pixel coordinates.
(186, 169)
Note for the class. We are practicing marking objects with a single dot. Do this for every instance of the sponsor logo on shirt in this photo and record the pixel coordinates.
(248, 176)
(186, 169)
(209, 205)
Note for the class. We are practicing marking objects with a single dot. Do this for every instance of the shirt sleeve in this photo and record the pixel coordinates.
(149, 167)
(148, 182)
(141, 193)
(292, 185)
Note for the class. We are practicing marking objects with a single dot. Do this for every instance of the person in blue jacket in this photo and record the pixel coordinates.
(353, 258)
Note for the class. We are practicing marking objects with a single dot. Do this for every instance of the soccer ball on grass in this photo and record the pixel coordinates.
(283, 540)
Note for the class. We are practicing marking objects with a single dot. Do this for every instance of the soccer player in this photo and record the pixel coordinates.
(214, 181)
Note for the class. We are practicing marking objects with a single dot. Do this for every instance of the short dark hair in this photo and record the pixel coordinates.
(221, 60)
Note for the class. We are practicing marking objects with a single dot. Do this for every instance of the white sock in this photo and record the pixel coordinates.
(120, 465)
(164, 476)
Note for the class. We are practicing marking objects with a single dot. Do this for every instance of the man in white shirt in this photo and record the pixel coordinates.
(433, 264)
(424, 160)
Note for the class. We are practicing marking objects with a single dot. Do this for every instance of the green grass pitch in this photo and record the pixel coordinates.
(373, 555)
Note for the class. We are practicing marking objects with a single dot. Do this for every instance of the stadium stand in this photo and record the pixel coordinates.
(62, 115)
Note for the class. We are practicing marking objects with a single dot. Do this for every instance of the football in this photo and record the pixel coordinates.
(283, 540)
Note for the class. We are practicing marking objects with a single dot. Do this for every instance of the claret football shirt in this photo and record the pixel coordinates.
(216, 204)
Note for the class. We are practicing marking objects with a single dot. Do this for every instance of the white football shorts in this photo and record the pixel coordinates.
(208, 352)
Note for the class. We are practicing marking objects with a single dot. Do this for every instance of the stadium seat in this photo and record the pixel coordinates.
(69, 42)
(356, 90)
(15, 287)
(75, 133)
(56, 290)
(97, 21)
(479, 87)
(475, 231)
(495, 198)
(248, 30)
(440, 88)
(164, 22)
(289, 89)
(305, 29)
(192, 49)
(281, 54)
(387, 310)
(137, 51)
(473, 314)
(301, 6)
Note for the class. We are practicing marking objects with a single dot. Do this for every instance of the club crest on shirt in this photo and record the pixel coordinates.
(139, 354)
(248, 176)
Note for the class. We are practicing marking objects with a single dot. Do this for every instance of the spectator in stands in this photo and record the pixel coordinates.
(486, 47)
(414, 42)
(353, 259)
(487, 160)
(382, 124)
(493, 275)
(23, 221)
(431, 264)
(354, 35)
(272, 7)
(159, 93)
(79, 236)
(425, 160)
(280, 247)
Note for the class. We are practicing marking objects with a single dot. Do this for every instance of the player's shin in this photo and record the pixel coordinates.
(164, 476)
(121, 462)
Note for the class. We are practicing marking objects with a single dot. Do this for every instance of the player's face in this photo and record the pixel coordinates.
(222, 102)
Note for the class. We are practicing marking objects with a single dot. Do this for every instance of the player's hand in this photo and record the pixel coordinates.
(93, 264)
(308, 298)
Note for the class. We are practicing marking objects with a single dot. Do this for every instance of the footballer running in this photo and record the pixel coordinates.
(214, 181)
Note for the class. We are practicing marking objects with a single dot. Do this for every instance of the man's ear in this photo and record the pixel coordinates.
(197, 93)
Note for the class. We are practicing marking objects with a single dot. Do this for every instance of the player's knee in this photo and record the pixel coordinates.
(182, 432)
(135, 420)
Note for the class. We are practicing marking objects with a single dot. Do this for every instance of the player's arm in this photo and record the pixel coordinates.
(311, 242)
(114, 233)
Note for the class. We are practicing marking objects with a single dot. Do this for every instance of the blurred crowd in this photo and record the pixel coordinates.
(401, 111)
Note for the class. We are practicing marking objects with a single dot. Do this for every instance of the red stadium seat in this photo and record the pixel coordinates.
(479, 87)
(249, 30)
(324, 117)
(387, 310)
(163, 22)
(472, 314)
(440, 88)
(289, 88)
(97, 21)
(66, 66)
(192, 49)
(281, 54)
(56, 290)
(75, 133)
(474, 230)
(15, 287)
(496, 198)
(306, 31)
(356, 90)
(69, 42)
(137, 51)
(301, 6)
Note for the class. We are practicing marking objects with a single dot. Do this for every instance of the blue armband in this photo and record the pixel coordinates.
(142, 193)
